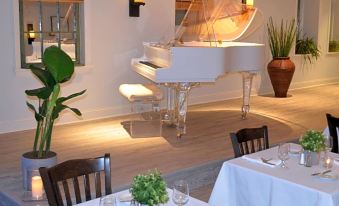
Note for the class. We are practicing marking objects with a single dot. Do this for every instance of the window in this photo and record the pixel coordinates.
(181, 7)
(44, 23)
(333, 45)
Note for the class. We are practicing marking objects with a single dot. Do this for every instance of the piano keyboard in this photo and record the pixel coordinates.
(150, 64)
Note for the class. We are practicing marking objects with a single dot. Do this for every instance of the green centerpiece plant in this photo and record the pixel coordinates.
(313, 141)
(149, 189)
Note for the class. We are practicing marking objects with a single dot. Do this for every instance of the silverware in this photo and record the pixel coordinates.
(321, 173)
(266, 161)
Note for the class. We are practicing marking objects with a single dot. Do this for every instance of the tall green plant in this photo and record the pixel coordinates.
(57, 68)
(281, 38)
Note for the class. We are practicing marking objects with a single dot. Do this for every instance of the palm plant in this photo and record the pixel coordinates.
(57, 68)
(281, 39)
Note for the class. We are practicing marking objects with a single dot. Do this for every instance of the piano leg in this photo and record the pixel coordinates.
(247, 78)
(181, 107)
(169, 117)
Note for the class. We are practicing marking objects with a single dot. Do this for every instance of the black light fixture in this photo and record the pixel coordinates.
(134, 5)
(30, 33)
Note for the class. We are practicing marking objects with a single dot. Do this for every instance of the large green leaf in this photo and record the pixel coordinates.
(45, 76)
(42, 93)
(63, 99)
(37, 116)
(59, 107)
(58, 63)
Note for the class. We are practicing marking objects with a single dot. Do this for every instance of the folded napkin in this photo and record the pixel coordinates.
(125, 197)
(256, 159)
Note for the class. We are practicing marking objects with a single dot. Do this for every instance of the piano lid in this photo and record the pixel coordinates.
(216, 21)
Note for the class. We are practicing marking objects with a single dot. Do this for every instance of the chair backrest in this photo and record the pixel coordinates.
(74, 170)
(249, 140)
(333, 124)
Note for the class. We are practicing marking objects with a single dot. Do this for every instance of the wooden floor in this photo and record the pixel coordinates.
(207, 138)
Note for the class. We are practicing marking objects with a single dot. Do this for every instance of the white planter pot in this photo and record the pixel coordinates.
(29, 164)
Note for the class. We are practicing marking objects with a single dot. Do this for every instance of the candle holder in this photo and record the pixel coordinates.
(35, 190)
(27, 197)
(328, 162)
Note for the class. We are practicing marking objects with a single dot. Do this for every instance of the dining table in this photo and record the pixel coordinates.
(121, 200)
(248, 180)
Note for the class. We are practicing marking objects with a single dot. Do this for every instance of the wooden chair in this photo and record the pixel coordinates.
(333, 124)
(73, 169)
(249, 140)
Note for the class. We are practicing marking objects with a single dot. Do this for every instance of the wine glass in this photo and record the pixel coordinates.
(328, 143)
(180, 194)
(283, 151)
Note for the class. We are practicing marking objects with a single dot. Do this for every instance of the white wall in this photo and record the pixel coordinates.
(113, 38)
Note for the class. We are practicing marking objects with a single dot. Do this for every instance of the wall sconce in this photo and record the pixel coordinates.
(250, 3)
(247, 4)
(134, 5)
(30, 34)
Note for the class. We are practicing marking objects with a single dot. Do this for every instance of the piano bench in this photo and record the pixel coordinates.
(149, 122)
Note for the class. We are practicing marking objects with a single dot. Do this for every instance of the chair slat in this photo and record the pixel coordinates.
(241, 149)
(97, 184)
(259, 145)
(67, 194)
(252, 146)
(77, 190)
(87, 187)
(246, 148)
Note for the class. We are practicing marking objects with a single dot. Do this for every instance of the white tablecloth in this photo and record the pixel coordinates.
(192, 201)
(244, 183)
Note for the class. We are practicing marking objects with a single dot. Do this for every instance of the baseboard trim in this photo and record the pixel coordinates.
(314, 83)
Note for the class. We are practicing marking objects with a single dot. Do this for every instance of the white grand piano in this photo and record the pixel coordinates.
(204, 48)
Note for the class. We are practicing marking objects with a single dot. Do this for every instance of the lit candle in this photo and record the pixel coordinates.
(37, 188)
(328, 163)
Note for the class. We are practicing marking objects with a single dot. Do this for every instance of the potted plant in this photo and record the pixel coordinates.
(149, 189)
(281, 68)
(312, 142)
(307, 47)
(333, 46)
(56, 69)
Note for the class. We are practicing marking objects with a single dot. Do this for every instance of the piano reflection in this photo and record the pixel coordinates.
(204, 47)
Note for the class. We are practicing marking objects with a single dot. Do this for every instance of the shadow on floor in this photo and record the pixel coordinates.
(211, 124)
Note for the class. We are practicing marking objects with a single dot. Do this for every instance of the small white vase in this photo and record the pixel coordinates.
(311, 158)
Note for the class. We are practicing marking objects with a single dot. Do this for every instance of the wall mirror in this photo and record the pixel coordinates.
(333, 44)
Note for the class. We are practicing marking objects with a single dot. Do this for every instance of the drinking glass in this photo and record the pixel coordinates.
(180, 194)
(328, 143)
(108, 201)
(283, 151)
